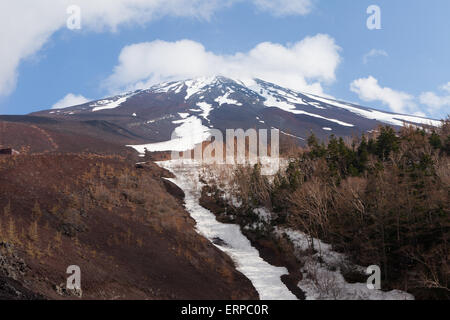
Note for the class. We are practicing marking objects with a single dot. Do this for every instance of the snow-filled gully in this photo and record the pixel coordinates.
(265, 278)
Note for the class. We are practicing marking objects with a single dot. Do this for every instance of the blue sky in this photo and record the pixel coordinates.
(408, 70)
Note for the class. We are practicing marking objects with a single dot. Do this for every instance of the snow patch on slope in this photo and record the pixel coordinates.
(265, 278)
(206, 108)
(226, 100)
(322, 277)
(167, 87)
(389, 118)
(275, 102)
(186, 136)
(198, 85)
(110, 103)
(289, 135)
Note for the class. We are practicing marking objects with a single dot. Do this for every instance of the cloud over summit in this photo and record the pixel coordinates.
(304, 65)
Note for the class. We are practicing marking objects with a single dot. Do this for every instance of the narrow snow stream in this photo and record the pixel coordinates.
(265, 278)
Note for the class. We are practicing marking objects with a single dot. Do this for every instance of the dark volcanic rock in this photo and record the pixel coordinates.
(11, 289)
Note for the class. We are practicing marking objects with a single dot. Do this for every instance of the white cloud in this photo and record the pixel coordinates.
(433, 101)
(446, 87)
(436, 102)
(28, 24)
(304, 65)
(369, 90)
(285, 7)
(70, 100)
(373, 54)
(433, 105)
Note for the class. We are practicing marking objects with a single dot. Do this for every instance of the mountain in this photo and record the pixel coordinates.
(194, 106)
(77, 195)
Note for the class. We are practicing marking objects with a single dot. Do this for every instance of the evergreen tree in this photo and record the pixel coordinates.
(435, 140)
(387, 142)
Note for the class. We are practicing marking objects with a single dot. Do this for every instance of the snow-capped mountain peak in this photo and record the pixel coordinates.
(229, 90)
(224, 103)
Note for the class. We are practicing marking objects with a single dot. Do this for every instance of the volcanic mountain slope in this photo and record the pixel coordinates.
(117, 222)
(194, 106)
(32, 134)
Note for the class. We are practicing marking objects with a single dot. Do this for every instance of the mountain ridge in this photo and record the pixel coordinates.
(223, 103)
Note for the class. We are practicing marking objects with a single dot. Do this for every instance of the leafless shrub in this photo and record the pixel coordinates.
(325, 282)
(311, 203)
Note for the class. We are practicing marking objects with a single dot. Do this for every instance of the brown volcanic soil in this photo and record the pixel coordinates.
(33, 134)
(130, 237)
